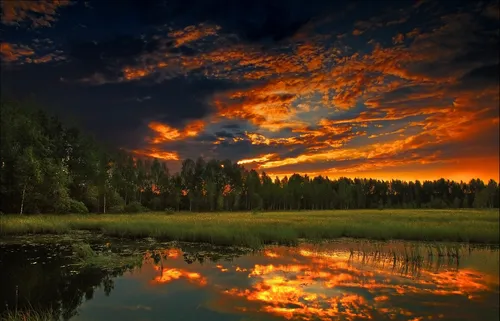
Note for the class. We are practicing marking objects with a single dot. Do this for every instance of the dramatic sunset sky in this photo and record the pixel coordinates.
(382, 89)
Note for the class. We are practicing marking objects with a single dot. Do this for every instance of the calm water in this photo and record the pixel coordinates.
(311, 282)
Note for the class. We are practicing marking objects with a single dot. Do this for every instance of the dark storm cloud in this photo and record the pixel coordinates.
(293, 152)
(240, 150)
(480, 78)
(107, 110)
(402, 93)
(183, 50)
(251, 20)
(205, 138)
(231, 126)
(224, 134)
(110, 56)
(244, 149)
(463, 42)
(120, 47)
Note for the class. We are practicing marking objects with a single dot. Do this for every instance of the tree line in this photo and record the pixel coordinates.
(46, 167)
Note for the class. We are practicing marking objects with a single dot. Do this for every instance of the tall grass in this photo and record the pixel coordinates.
(105, 260)
(245, 229)
(28, 315)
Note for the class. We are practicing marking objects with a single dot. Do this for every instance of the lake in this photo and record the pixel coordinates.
(343, 280)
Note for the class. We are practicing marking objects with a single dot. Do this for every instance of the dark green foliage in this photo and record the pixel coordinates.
(134, 207)
(77, 207)
(169, 211)
(90, 197)
(116, 209)
(46, 168)
(113, 198)
(155, 204)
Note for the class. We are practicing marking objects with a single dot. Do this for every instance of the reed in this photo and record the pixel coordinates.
(247, 229)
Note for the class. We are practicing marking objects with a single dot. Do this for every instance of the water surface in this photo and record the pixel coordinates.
(334, 281)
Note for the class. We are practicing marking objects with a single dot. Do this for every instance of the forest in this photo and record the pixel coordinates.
(47, 167)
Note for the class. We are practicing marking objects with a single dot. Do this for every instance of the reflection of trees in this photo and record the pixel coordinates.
(47, 280)
(50, 284)
(411, 260)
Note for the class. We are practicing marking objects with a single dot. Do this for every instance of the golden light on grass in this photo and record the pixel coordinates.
(246, 229)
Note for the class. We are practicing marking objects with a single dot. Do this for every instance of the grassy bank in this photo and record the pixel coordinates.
(247, 229)
(29, 315)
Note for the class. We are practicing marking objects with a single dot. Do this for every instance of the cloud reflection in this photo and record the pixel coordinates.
(309, 283)
(302, 284)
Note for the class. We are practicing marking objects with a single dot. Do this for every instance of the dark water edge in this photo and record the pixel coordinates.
(340, 280)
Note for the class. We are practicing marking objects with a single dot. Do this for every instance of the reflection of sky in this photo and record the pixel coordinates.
(307, 283)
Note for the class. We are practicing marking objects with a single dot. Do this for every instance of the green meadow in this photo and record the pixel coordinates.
(257, 229)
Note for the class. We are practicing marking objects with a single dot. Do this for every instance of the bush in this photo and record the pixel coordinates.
(258, 203)
(77, 207)
(61, 205)
(115, 209)
(155, 204)
(83, 251)
(134, 207)
(91, 198)
(114, 199)
(438, 203)
(169, 211)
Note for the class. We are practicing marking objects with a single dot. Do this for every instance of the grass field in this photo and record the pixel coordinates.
(254, 230)
(30, 315)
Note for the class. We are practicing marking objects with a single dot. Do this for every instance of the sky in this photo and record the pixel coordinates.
(378, 89)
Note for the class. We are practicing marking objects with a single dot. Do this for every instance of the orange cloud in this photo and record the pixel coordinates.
(131, 74)
(267, 109)
(156, 153)
(193, 33)
(166, 133)
(41, 13)
(357, 32)
(12, 52)
(258, 139)
(43, 59)
(25, 54)
(399, 38)
(374, 151)
(297, 89)
(260, 159)
(398, 131)
(465, 116)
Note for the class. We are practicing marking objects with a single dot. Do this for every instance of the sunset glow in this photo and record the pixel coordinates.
(307, 284)
(250, 160)
(316, 283)
(407, 90)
